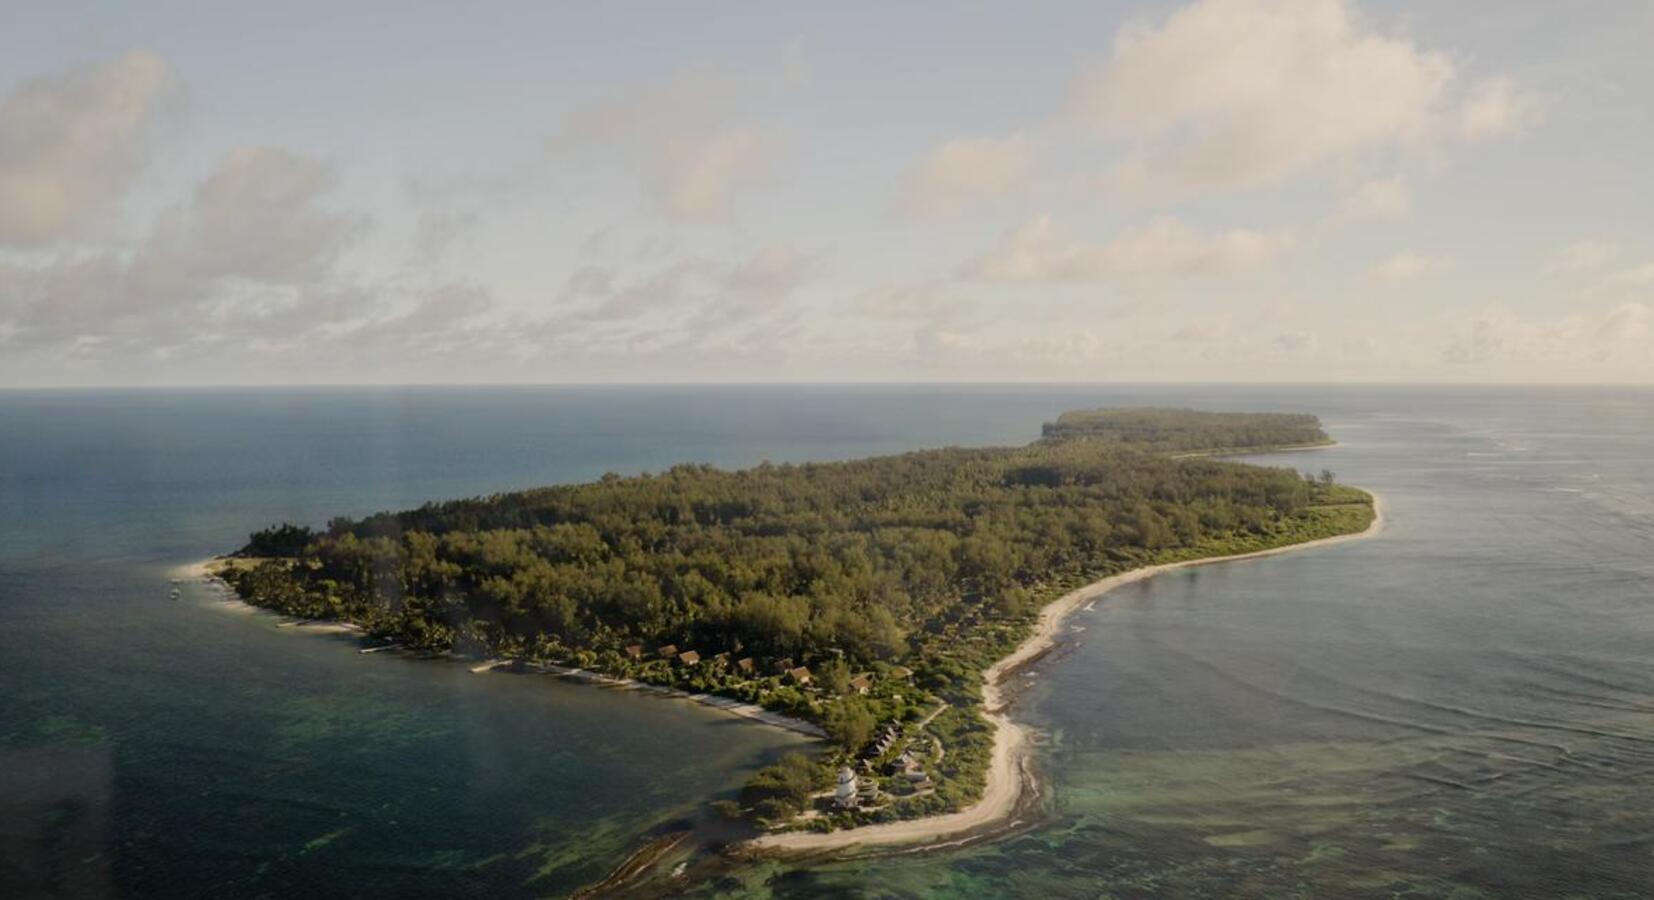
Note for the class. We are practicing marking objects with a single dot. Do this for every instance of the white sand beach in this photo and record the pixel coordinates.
(1009, 777)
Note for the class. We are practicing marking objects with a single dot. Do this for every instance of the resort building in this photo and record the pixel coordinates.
(689, 657)
(844, 795)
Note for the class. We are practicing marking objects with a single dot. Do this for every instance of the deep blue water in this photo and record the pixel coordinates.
(1463, 704)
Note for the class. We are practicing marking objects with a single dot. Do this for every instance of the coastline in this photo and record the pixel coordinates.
(1009, 780)
(1255, 451)
(202, 572)
(1009, 785)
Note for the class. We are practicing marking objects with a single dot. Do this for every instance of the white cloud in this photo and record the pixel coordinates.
(260, 216)
(1621, 337)
(253, 245)
(1296, 341)
(1635, 277)
(1404, 266)
(1383, 199)
(1231, 94)
(1039, 251)
(696, 293)
(1582, 256)
(769, 277)
(1496, 107)
(690, 135)
(964, 170)
(71, 144)
(695, 178)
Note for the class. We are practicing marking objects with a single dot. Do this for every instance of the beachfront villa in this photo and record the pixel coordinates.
(886, 738)
(867, 792)
(689, 657)
(853, 791)
(844, 796)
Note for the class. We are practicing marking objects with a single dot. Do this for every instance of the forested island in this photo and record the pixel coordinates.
(866, 596)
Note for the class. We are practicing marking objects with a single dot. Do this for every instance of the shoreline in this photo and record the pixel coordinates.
(1254, 451)
(1010, 780)
(201, 572)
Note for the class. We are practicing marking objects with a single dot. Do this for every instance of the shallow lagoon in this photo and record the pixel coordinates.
(1461, 707)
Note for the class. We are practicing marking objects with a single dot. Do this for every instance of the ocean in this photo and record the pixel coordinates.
(1462, 706)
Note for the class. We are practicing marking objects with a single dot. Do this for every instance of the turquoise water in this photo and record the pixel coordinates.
(1463, 706)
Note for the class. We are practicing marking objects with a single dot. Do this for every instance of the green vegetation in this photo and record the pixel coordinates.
(783, 790)
(867, 596)
(1188, 430)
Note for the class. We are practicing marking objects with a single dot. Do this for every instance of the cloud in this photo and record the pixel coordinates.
(1636, 277)
(1039, 252)
(691, 136)
(696, 293)
(651, 111)
(769, 277)
(931, 300)
(1211, 329)
(1620, 336)
(1581, 256)
(695, 178)
(1236, 94)
(260, 217)
(71, 144)
(1383, 199)
(965, 170)
(1295, 341)
(1404, 266)
(253, 243)
(1496, 107)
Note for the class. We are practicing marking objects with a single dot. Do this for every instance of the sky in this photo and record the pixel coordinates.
(1207, 191)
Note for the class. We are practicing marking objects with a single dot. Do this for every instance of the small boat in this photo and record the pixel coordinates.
(174, 595)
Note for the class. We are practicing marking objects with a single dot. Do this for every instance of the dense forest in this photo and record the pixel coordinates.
(850, 594)
(1188, 430)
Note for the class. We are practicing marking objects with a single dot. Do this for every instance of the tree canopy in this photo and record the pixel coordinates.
(1187, 429)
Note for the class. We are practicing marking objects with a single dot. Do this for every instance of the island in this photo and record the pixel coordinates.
(877, 603)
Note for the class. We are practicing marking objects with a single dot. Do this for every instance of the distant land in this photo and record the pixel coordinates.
(864, 600)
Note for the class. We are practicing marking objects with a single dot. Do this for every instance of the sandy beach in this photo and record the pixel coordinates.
(1009, 777)
(729, 705)
(1254, 451)
(228, 601)
(203, 572)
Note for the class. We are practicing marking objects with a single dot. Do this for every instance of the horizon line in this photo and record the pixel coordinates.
(821, 383)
